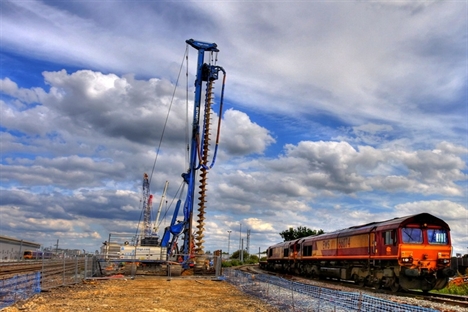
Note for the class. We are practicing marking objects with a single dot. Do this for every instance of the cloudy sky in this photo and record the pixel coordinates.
(336, 114)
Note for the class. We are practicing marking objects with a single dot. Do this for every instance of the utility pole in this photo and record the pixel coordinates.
(229, 241)
(240, 239)
(248, 242)
(242, 251)
(56, 247)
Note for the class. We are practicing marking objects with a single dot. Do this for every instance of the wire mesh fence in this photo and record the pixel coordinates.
(50, 273)
(19, 287)
(66, 271)
(293, 296)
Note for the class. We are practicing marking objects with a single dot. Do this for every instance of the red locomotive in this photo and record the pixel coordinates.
(411, 252)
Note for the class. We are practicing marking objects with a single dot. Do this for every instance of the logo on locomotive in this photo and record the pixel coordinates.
(344, 242)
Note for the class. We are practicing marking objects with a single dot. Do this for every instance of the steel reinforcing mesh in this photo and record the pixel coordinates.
(19, 287)
(292, 296)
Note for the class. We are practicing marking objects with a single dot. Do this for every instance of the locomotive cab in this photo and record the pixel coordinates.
(425, 254)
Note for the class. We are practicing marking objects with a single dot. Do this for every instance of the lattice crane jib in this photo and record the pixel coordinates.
(147, 200)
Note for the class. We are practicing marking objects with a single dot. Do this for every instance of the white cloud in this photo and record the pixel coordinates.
(241, 136)
(444, 209)
(369, 118)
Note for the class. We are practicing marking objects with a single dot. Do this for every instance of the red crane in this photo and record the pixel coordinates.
(147, 204)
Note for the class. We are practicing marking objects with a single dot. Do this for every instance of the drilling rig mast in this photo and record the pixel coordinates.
(199, 157)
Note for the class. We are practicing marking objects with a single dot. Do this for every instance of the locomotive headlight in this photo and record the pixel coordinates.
(443, 258)
(443, 261)
(407, 260)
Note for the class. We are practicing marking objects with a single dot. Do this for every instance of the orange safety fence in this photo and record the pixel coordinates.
(458, 281)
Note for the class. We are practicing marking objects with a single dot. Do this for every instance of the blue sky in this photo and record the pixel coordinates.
(336, 114)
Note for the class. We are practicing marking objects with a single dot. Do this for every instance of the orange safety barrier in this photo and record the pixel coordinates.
(458, 281)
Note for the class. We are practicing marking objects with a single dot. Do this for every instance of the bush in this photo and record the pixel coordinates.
(226, 264)
(251, 261)
(461, 290)
(235, 262)
(456, 286)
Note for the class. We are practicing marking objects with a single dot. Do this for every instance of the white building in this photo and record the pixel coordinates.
(13, 249)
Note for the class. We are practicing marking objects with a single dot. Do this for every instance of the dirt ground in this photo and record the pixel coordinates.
(156, 294)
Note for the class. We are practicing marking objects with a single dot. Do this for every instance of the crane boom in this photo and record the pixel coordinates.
(163, 196)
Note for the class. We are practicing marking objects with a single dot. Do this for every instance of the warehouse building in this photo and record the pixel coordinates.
(13, 249)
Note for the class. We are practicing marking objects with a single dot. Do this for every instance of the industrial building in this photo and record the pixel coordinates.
(12, 248)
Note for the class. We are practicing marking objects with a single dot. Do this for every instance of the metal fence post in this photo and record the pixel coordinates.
(292, 294)
(319, 297)
(15, 288)
(63, 274)
(268, 286)
(85, 266)
(133, 269)
(76, 268)
(37, 288)
(168, 266)
(42, 271)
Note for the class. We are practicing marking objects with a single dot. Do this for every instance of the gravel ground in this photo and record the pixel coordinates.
(201, 294)
(156, 294)
(287, 300)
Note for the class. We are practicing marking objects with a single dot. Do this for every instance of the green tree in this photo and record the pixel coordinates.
(253, 258)
(300, 231)
(236, 254)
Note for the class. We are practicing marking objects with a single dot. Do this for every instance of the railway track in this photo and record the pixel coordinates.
(47, 267)
(448, 299)
(8, 269)
(445, 299)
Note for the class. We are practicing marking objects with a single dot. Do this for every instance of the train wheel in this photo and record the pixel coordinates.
(377, 283)
(315, 274)
(362, 282)
(297, 269)
(441, 283)
(395, 286)
(355, 278)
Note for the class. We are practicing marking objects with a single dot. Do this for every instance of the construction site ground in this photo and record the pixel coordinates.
(144, 293)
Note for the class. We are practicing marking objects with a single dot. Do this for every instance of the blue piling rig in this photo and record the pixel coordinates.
(199, 153)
